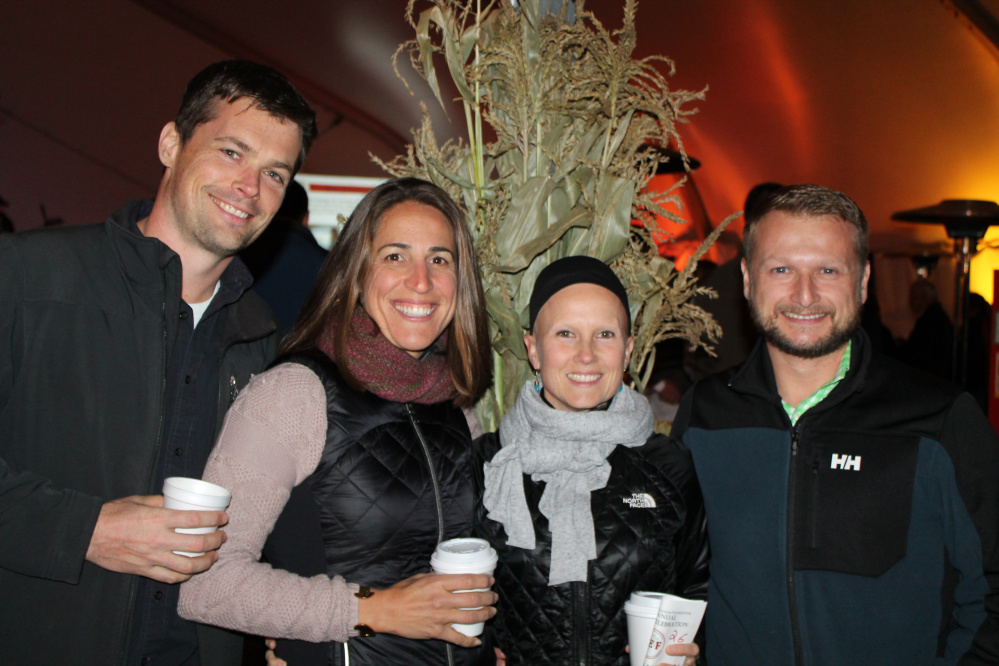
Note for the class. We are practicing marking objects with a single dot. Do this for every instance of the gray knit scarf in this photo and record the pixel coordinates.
(568, 451)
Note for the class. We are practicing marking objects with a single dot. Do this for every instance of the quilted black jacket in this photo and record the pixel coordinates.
(394, 480)
(651, 535)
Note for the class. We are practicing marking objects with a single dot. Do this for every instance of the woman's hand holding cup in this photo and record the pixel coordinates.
(426, 605)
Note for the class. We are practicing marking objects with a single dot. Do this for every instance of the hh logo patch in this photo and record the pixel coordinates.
(640, 501)
(845, 462)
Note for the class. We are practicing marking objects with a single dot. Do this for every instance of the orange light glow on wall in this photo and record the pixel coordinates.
(983, 266)
(678, 241)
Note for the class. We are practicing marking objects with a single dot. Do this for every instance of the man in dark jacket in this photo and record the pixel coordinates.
(121, 346)
(852, 501)
(286, 259)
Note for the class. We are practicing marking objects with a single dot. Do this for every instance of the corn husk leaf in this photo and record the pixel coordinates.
(560, 118)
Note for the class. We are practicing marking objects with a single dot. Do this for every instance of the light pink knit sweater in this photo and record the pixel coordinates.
(271, 441)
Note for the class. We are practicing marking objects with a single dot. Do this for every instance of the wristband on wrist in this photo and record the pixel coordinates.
(363, 630)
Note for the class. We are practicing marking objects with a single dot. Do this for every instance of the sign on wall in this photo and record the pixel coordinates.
(329, 198)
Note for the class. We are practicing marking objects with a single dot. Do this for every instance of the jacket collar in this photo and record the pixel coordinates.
(756, 376)
(142, 257)
(139, 253)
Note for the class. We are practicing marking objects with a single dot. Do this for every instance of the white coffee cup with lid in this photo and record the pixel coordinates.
(641, 609)
(463, 556)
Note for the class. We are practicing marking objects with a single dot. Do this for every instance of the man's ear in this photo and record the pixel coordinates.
(864, 280)
(745, 278)
(169, 144)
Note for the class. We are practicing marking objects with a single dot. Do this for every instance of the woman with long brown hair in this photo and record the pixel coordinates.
(353, 455)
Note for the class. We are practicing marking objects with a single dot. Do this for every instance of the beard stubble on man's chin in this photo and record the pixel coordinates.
(833, 341)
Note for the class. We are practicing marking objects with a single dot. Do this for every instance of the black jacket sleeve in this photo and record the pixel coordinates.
(44, 531)
(692, 552)
(973, 447)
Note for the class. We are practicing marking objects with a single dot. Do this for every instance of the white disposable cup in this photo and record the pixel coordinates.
(460, 556)
(184, 494)
(641, 609)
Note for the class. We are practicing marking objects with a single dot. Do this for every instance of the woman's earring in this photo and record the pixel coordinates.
(537, 381)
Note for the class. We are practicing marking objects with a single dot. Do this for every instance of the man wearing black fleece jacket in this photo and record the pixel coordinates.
(852, 501)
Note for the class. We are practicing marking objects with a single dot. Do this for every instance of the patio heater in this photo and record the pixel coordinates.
(965, 220)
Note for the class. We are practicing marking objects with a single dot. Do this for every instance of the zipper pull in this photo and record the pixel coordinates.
(794, 441)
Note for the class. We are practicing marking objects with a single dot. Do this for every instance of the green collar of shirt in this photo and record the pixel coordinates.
(794, 413)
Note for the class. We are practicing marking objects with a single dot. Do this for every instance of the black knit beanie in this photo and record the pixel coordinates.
(567, 271)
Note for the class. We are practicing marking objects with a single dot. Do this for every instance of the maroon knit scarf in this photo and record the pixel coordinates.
(386, 370)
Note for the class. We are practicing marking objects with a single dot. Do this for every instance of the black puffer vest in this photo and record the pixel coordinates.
(650, 535)
(394, 479)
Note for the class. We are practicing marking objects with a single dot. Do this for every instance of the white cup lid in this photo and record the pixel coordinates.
(196, 491)
(462, 553)
(649, 599)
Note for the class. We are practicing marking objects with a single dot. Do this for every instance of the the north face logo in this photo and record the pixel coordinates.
(640, 501)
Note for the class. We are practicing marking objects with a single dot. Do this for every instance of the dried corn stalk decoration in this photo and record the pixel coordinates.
(560, 119)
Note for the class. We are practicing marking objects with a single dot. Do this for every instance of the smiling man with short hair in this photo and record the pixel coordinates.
(852, 502)
(121, 347)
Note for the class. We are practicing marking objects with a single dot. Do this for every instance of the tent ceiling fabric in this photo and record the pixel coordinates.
(894, 102)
